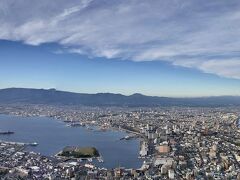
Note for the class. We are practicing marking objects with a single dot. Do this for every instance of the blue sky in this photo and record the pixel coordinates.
(155, 47)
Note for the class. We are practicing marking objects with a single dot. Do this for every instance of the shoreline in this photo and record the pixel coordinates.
(120, 129)
(98, 159)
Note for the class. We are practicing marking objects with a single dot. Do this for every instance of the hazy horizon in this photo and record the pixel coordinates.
(52, 88)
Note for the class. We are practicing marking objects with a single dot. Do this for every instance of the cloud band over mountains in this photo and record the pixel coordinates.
(199, 34)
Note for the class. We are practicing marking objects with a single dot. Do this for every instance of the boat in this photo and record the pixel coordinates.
(100, 159)
(6, 132)
(127, 138)
(33, 144)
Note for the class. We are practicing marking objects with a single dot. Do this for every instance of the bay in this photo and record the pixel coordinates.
(52, 135)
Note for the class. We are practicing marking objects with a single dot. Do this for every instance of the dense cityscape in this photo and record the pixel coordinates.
(119, 90)
(176, 143)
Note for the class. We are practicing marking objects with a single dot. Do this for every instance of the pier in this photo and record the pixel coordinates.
(19, 143)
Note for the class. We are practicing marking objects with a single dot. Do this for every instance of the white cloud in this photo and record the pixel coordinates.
(226, 68)
(197, 34)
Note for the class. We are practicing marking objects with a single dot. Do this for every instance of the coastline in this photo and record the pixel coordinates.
(101, 157)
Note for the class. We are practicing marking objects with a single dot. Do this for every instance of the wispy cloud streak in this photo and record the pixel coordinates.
(198, 34)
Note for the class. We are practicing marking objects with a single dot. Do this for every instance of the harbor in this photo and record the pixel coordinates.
(57, 135)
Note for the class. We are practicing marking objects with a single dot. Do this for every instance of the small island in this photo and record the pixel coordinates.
(79, 152)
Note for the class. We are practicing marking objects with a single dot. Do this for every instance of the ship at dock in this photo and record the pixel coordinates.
(33, 144)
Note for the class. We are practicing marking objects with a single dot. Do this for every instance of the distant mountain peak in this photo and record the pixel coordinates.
(137, 94)
(52, 89)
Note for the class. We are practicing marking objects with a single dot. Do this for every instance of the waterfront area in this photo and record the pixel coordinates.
(164, 143)
(120, 90)
(53, 135)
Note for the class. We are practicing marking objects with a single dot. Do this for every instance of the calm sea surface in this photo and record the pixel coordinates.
(52, 135)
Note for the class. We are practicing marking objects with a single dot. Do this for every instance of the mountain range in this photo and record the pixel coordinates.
(56, 97)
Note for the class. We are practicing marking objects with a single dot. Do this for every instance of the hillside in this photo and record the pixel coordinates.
(55, 97)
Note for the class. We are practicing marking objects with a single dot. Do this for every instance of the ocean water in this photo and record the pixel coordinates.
(52, 135)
